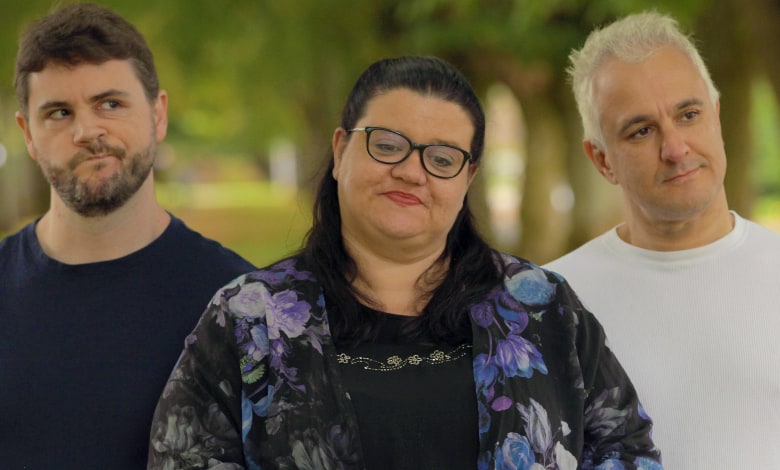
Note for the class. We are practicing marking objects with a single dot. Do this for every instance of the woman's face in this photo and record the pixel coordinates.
(386, 207)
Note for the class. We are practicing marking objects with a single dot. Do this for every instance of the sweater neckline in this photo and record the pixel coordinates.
(730, 241)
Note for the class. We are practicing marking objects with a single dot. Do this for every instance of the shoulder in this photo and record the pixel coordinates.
(759, 233)
(20, 237)
(14, 246)
(286, 281)
(533, 286)
(180, 240)
(589, 252)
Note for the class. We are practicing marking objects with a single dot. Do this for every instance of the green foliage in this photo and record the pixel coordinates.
(243, 73)
(766, 140)
(260, 222)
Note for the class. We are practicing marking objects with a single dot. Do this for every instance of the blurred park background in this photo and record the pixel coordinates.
(256, 88)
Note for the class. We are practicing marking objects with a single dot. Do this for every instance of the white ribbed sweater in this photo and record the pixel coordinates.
(699, 333)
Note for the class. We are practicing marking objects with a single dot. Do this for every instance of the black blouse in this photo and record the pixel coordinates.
(415, 402)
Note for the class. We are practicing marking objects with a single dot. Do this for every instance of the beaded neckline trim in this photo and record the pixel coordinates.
(396, 362)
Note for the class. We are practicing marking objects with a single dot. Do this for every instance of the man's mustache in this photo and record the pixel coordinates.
(93, 150)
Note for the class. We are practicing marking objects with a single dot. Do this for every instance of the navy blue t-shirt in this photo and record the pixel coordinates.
(85, 350)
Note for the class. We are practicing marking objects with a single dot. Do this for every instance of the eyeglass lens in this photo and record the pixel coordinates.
(389, 147)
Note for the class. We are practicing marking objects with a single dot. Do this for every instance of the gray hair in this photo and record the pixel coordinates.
(630, 39)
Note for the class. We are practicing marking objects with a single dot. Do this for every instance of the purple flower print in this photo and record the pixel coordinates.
(518, 357)
(482, 314)
(286, 314)
(278, 272)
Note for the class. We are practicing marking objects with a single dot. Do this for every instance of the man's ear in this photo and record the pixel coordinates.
(599, 159)
(24, 125)
(160, 113)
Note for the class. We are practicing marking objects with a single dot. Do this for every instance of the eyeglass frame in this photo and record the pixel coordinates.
(412, 147)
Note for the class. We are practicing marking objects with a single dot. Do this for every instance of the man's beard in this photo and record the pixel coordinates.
(107, 195)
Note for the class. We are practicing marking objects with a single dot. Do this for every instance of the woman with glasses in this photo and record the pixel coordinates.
(397, 338)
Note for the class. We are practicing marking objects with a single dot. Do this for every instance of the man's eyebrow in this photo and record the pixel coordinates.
(634, 120)
(108, 93)
(49, 105)
(689, 102)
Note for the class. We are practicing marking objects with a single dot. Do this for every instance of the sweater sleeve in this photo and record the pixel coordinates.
(616, 427)
(197, 423)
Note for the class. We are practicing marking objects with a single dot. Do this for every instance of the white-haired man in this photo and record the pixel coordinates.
(687, 290)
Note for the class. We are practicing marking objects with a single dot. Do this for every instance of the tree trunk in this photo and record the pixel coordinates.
(725, 46)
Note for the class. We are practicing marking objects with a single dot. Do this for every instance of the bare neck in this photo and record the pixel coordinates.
(702, 229)
(71, 238)
(394, 281)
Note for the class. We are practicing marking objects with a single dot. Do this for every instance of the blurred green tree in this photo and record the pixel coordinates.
(244, 74)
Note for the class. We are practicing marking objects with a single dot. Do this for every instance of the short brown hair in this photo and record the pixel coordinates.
(82, 33)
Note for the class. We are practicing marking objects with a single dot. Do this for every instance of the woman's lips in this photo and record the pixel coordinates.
(403, 199)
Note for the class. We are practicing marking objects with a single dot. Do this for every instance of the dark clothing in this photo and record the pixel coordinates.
(412, 400)
(85, 350)
(260, 384)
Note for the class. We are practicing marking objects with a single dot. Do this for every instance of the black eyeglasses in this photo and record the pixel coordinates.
(391, 147)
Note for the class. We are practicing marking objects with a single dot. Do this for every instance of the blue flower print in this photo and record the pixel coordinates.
(518, 357)
(485, 373)
(643, 463)
(484, 417)
(611, 464)
(513, 312)
(273, 400)
(531, 287)
(250, 409)
(515, 454)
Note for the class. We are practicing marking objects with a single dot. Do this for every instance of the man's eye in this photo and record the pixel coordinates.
(641, 132)
(110, 104)
(690, 115)
(58, 114)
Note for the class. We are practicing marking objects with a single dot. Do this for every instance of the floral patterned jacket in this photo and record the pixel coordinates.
(258, 384)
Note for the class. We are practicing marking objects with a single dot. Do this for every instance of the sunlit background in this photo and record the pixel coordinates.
(256, 89)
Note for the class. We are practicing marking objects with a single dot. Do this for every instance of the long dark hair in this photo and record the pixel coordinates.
(473, 266)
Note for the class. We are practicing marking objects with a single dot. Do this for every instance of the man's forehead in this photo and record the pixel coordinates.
(665, 79)
(84, 78)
